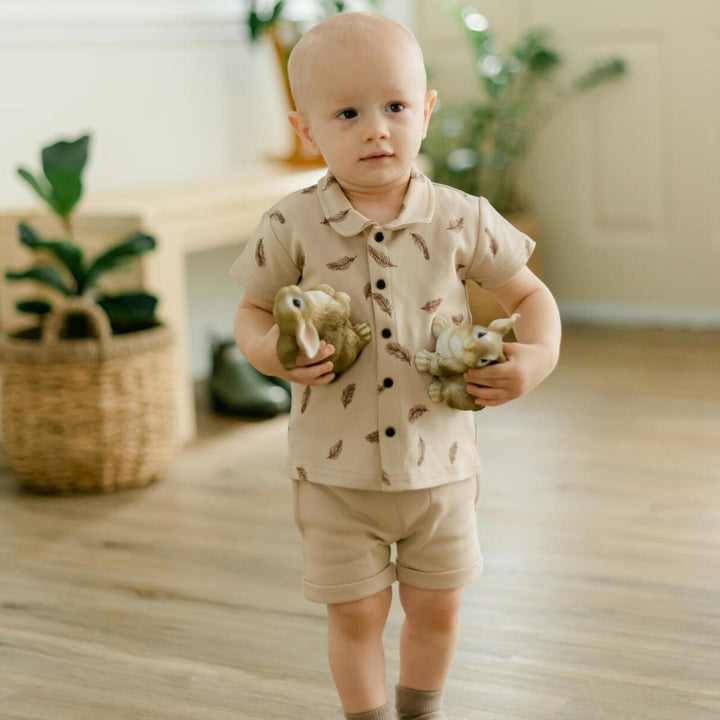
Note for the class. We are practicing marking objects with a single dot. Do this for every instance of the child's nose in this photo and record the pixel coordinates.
(375, 128)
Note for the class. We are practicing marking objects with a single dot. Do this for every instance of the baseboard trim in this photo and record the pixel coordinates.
(691, 317)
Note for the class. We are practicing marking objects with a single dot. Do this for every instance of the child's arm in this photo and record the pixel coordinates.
(534, 356)
(256, 335)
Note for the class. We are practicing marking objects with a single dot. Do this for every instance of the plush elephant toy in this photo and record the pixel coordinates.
(305, 317)
(457, 349)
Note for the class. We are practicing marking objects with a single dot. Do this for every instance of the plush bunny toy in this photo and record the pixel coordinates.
(305, 317)
(458, 348)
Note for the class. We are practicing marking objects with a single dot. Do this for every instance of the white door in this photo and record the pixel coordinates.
(625, 180)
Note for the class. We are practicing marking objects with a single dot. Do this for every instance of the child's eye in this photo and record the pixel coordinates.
(395, 107)
(347, 114)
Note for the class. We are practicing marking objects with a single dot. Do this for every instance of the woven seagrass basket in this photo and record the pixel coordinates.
(88, 415)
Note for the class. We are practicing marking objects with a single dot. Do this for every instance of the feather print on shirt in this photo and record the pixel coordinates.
(416, 412)
(494, 247)
(305, 398)
(338, 217)
(260, 253)
(347, 394)
(335, 450)
(432, 305)
(421, 244)
(421, 451)
(383, 303)
(399, 352)
(380, 257)
(343, 263)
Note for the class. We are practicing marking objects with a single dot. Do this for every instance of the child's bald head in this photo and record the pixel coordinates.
(348, 34)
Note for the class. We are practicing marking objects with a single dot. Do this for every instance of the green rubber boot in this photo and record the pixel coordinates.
(237, 388)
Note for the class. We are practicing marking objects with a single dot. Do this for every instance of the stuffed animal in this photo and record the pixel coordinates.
(305, 317)
(457, 349)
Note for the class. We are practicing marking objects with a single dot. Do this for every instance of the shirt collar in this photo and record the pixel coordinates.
(341, 216)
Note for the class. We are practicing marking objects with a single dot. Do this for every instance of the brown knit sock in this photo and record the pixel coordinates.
(381, 713)
(418, 704)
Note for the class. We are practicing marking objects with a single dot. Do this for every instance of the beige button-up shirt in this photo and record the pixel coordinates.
(375, 427)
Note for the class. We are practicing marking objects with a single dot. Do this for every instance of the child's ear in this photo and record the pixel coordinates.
(302, 128)
(430, 99)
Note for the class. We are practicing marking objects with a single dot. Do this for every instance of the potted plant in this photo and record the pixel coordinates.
(87, 390)
(284, 23)
(481, 146)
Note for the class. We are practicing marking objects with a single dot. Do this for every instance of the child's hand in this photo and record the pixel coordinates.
(307, 371)
(526, 367)
(312, 371)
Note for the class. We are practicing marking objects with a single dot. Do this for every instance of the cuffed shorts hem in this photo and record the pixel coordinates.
(448, 580)
(347, 592)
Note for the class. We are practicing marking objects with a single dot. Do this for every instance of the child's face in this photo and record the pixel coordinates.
(365, 109)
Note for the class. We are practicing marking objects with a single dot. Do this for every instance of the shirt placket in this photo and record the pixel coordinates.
(390, 427)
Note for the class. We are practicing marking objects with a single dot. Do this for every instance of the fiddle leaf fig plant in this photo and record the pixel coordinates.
(60, 263)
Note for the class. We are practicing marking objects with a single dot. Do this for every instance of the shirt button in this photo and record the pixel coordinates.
(386, 333)
(379, 237)
(390, 431)
(388, 382)
(380, 284)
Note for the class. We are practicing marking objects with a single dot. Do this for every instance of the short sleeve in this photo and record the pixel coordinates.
(265, 264)
(502, 250)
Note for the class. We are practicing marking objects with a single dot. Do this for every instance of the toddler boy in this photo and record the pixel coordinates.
(374, 462)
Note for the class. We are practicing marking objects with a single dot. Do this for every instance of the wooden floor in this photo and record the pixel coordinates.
(600, 524)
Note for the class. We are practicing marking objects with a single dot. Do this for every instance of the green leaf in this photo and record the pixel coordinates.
(68, 253)
(600, 72)
(40, 187)
(258, 24)
(118, 256)
(45, 275)
(63, 165)
(29, 236)
(34, 307)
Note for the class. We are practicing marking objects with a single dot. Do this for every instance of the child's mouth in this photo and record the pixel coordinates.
(377, 157)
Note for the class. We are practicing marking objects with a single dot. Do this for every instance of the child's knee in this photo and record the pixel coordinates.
(360, 618)
(436, 609)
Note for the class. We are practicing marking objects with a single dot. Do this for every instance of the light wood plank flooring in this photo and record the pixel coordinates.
(600, 524)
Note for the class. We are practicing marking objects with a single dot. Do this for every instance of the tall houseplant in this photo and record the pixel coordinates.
(87, 389)
(481, 146)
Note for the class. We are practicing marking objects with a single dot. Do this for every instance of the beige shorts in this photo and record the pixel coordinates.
(347, 537)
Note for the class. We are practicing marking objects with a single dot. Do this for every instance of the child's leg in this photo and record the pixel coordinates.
(429, 635)
(427, 645)
(356, 653)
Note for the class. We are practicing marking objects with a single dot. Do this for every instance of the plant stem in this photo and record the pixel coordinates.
(68, 227)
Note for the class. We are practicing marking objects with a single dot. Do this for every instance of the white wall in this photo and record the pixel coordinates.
(170, 93)
(172, 90)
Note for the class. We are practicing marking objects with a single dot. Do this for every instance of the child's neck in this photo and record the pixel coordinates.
(382, 205)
